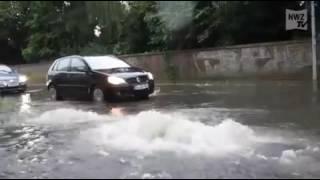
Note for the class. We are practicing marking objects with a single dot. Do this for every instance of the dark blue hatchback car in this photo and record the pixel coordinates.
(97, 77)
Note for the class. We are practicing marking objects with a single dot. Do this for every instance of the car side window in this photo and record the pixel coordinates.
(77, 65)
(63, 65)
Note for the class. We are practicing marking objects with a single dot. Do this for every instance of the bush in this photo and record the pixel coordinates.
(67, 51)
(30, 55)
(94, 49)
(40, 46)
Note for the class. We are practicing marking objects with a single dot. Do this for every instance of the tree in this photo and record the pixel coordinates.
(45, 30)
(108, 16)
(134, 34)
(44, 23)
(12, 31)
(61, 28)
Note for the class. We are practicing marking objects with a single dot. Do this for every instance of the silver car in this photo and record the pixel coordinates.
(11, 80)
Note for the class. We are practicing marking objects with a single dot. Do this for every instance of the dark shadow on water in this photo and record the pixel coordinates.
(113, 100)
(115, 106)
(10, 94)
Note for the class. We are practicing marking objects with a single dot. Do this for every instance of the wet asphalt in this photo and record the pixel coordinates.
(185, 130)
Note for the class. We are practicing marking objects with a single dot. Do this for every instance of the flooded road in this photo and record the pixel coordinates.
(200, 130)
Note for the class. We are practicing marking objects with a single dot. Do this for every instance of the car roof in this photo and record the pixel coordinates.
(99, 56)
(68, 57)
(4, 65)
(83, 57)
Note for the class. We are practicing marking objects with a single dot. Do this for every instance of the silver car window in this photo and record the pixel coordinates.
(5, 70)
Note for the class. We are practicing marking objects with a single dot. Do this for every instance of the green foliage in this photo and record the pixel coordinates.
(48, 29)
(134, 34)
(94, 49)
(29, 54)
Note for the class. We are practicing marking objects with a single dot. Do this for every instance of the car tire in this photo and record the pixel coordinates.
(22, 91)
(97, 95)
(143, 96)
(54, 94)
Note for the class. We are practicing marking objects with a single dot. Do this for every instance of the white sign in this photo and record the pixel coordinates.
(296, 19)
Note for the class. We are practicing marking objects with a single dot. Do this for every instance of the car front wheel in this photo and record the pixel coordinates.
(98, 95)
(54, 94)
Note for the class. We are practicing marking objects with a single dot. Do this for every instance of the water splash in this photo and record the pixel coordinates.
(173, 19)
(68, 117)
(151, 131)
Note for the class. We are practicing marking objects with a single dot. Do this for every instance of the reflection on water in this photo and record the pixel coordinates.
(6, 104)
(25, 106)
(117, 112)
(263, 131)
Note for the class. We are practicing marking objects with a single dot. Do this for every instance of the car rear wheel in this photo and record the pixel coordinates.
(54, 94)
(98, 95)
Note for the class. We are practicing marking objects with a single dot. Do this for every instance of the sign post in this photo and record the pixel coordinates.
(314, 49)
(299, 20)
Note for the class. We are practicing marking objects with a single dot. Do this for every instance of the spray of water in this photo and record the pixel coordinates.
(175, 14)
(151, 131)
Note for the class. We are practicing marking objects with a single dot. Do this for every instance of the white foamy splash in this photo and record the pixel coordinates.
(156, 92)
(290, 156)
(151, 131)
(68, 116)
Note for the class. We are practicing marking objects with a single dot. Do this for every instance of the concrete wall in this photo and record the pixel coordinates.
(289, 59)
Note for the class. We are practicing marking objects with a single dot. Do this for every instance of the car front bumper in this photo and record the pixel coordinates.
(128, 90)
(13, 89)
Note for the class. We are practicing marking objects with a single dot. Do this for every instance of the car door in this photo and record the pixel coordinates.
(80, 77)
(61, 77)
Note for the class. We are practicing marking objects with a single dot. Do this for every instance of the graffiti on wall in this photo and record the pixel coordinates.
(235, 61)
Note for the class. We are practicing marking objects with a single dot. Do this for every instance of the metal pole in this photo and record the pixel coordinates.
(314, 50)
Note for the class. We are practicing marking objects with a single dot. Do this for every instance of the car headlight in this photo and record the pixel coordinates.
(23, 79)
(150, 76)
(115, 80)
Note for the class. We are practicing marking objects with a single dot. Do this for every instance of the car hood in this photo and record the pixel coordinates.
(131, 72)
(8, 77)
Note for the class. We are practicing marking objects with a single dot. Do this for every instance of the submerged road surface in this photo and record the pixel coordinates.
(204, 130)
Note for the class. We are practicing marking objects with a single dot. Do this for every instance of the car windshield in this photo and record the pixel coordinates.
(105, 62)
(5, 70)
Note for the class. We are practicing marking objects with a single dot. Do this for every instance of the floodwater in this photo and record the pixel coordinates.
(199, 130)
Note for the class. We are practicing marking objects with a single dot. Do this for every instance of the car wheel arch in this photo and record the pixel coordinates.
(50, 85)
(93, 86)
